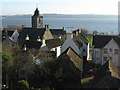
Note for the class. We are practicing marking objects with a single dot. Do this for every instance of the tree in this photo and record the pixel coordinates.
(84, 32)
(13, 27)
(17, 64)
(6, 68)
(55, 73)
(95, 32)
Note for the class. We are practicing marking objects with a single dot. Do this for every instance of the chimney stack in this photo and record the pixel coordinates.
(46, 27)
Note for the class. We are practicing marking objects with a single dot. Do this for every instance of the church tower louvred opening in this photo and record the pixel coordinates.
(37, 20)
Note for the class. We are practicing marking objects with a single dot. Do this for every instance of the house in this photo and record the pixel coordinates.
(84, 50)
(78, 43)
(74, 57)
(37, 32)
(69, 42)
(71, 65)
(54, 45)
(104, 78)
(106, 48)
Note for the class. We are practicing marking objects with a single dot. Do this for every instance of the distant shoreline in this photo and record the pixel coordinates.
(65, 16)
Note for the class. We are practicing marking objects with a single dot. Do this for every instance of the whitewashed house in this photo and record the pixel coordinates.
(111, 52)
(106, 48)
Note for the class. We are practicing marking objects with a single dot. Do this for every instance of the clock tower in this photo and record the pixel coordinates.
(37, 20)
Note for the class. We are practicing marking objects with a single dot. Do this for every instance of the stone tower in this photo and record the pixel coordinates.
(37, 20)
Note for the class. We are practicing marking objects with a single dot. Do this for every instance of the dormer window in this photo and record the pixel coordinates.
(38, 39)
(27, 37)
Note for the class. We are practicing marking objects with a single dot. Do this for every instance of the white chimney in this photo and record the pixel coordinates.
(80, 31)
(43, 43)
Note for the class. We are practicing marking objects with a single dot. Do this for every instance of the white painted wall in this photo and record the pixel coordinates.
(115, 57)
(69, 43)
(58, 50)
(88, 53)
(86, 47)
(97, 56)
(43, 46)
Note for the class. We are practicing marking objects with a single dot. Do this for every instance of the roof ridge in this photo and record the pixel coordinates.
(68, 50)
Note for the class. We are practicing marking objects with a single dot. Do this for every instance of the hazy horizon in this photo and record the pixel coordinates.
(61, 14)
(102, 7)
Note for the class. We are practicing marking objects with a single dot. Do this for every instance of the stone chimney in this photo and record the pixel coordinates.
(77, 32)
(46, 27)
(80, 31)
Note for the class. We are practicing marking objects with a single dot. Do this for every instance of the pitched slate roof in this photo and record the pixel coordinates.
(51, 43)
(99, 41)
(82, 37)
(58, 31)
(73, 56)
(32, 44)
(77, 41)
(33, 33)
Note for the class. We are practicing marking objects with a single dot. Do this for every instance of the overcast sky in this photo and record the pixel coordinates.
(11, 7)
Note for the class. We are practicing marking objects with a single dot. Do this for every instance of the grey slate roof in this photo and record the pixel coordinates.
(78, 42)
(58, 31)
(80, 35)
(71, 55)
(83, 38)
(33, 33)
(32, 44)
(99, 41)
(51, 43)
